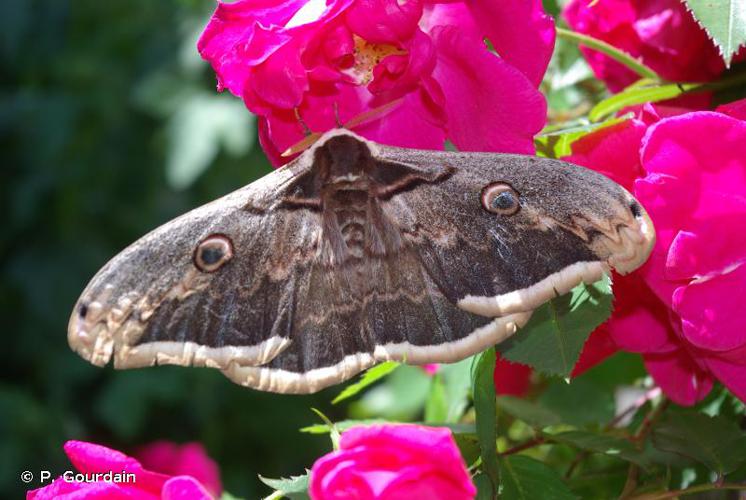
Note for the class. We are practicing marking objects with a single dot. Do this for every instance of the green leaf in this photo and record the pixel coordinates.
(580, 402)
(636, 94)
(436, 405)
(369, 377)
(609, 50)
(228, 496)
(294, 487)
(400, 396)
(196, 131)
(334, 433)
(554, 336)
(341, 426)
(486, 415)
(622, 368)
(724, 21)
(485, 490)
(603, 443)
(524, 478)
(556, 143)
(457, 385)
(468, 445)
(530, 412)
(716, 442)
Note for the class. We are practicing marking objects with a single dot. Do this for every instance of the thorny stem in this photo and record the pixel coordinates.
(689, 491)
(639, 437)
(639, 403)
(631, 484)
(611, 51)
(649, 420)
(651, 394)
(581, 456)
(524, 446)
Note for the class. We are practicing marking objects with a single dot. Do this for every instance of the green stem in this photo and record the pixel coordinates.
(689, 491)
(485, 408)
(525, 446)
(609, 50)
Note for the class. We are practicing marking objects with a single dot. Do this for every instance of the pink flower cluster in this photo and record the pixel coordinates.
(164, 471)
(316, 58)
(386, 462)
(662, 33)
(683, 310)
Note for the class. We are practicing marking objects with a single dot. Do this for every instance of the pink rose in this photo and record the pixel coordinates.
(189, 459)
(315, 56)
(431, 368)
(683, 309)
(391, 462)
(662, 33)
(510, 378)
(90, 459)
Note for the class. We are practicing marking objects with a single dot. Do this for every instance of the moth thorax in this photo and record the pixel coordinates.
(342, 157)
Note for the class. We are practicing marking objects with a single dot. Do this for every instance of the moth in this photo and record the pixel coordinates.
(356, 253)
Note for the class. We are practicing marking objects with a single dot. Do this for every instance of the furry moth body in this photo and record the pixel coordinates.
(356, 253)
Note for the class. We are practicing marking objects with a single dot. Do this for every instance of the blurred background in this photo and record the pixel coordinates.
(109, 122)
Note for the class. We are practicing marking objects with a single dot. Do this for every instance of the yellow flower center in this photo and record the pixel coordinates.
(367, 57)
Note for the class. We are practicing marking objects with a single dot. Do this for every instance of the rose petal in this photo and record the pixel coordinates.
(384, 21)
(431, 368)
(281, 129)
(392, 461)
(490, 105)
(711, 311)
(736, 109)
(597, 348)
(520, 31)
(280, 81)
(94, 458)
(416, 442)
(189, 459)
(511, 378)
(396, 75)
(731, 372)
(449, 14)
(417, 483)
(640, 322)
(184, 488)
(710, 178)
(683, 381)
(337, 472)
(613, 151)
(689, 181)
(708, 247)
(61, 489)
(234, 40)
(409, 125)
(611, 21)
